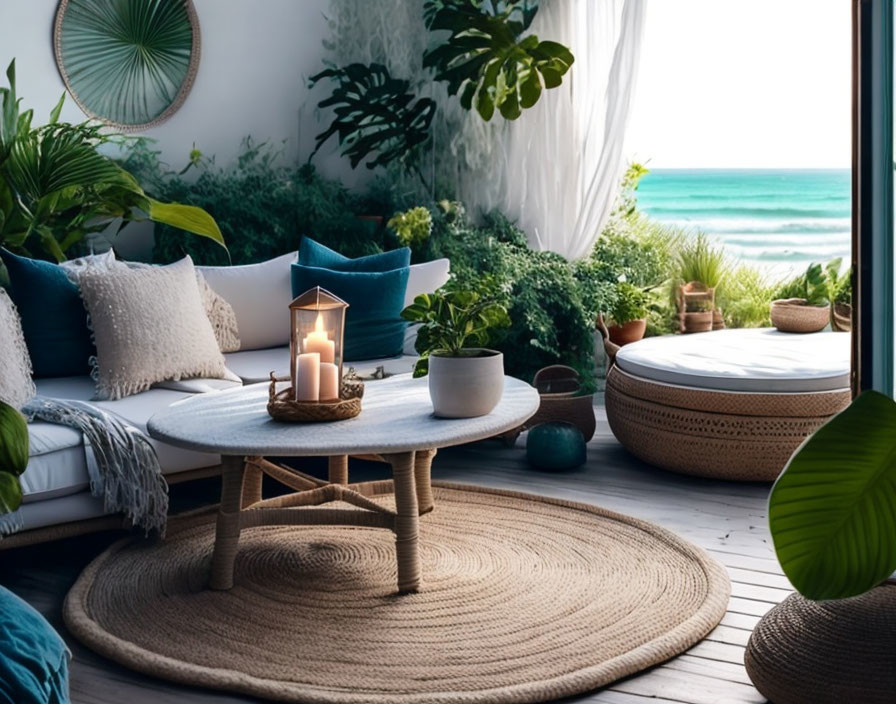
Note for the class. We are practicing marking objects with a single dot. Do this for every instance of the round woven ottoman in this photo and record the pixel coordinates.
(829, 652)
(730, 404)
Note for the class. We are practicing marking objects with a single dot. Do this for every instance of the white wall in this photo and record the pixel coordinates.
(256, 58)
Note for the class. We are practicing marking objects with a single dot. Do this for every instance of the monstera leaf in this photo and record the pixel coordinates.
(374, 114)
(832, 513)
(487, 60)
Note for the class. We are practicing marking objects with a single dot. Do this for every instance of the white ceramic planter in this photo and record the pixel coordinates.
(466, 387)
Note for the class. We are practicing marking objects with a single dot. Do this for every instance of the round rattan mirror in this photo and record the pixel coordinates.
(128, 63)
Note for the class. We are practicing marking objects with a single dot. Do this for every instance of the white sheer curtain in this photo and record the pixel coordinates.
(559, 165)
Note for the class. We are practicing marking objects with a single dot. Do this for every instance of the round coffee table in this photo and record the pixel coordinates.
(396, 425)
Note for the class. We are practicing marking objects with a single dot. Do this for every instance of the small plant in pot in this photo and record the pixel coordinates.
(465, 378)
(803, 304)
(628, 314)
(832, 517)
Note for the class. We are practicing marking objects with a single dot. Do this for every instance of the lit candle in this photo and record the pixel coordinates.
(329, 381)
(317, 341)
(308, 377)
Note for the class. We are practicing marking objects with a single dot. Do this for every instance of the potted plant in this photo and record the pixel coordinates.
(803, 304)
(465, 378)
(702, 271)
(628, 314)
(832, 516)
(841, 297)
(13, 457)
(696, 304)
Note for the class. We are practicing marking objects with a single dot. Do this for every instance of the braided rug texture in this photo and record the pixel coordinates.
(524, 599)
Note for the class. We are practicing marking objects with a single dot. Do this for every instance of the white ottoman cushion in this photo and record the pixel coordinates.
(758, 360)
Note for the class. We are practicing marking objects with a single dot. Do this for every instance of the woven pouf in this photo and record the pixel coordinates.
(524, 599)
(731, 404)
(837, 652)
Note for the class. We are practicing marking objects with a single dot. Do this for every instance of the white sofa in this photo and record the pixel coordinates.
(55, 483)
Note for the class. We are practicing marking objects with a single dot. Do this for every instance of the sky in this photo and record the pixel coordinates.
(743, 84)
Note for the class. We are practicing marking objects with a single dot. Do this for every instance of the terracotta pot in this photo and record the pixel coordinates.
(696, 322)
(841, 320)
(718, 322)
(466, 387)
(796, 315)
(632, 331)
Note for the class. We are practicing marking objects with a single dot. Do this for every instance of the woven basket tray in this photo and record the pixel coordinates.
(282, 406)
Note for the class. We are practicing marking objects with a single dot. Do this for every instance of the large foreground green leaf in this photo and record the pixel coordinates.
(832, 512)
(10, 493)
(13, 456)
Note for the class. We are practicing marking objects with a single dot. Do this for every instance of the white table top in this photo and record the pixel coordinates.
(396, 416)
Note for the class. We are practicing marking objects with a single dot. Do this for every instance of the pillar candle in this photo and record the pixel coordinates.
(308, 377)
(329, 381)
(318, 342)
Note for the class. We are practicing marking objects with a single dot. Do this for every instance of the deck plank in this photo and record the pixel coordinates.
(727, 519)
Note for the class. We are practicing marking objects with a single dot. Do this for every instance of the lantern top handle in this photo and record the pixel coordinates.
(318, 298)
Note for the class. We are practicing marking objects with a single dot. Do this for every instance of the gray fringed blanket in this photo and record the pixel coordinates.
(122, 465)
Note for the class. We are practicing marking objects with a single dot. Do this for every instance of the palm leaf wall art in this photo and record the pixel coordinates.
(128, 63)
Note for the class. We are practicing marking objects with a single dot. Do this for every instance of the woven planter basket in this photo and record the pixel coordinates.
(737, 436)
(794, 315)
(829, 652)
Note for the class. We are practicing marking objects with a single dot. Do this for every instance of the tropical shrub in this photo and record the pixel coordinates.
(262, 206)
(550, 321)
(412, 227)
(818, 284)
(56, 187)
(700, 260)
(746, 298)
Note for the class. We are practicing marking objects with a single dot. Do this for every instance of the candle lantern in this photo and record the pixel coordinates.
(317, 322)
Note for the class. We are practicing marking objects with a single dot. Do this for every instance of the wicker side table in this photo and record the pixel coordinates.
(396, 425)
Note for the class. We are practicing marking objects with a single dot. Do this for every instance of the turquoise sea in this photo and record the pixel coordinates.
(778, 219)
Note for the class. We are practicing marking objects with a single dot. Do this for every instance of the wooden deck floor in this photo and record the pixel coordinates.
(727, 519)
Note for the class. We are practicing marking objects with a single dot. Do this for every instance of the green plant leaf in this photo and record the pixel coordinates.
(13, 440)
(374, 114)
(186, 217)
(832, 512)
(486, 58)
(10, 493)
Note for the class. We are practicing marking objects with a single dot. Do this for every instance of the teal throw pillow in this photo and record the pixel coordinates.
(373, 325)
(54, 319)
(313, 253)
(33, 658)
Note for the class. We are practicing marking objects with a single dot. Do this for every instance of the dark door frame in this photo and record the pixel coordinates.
(872, 196)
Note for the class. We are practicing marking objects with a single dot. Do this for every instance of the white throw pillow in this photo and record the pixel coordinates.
(220, 315)
(260, 295)
(16, 385)
(426, 278)
(150, 325)
(423, 278)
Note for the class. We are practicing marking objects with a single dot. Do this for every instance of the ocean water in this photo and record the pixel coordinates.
(780, 220)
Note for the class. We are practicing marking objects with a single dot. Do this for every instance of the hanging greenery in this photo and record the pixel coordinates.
(375, 114)
(488, 60)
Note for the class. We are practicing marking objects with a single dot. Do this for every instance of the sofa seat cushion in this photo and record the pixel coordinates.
(57, 464)
(136, 410)
(256, 366)
(758, 360)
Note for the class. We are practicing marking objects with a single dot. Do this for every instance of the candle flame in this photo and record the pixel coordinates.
(319, 323)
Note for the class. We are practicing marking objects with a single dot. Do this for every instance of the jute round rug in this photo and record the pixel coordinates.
(524, 599)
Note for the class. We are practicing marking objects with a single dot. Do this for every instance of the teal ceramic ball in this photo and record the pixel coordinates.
(555, 447)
